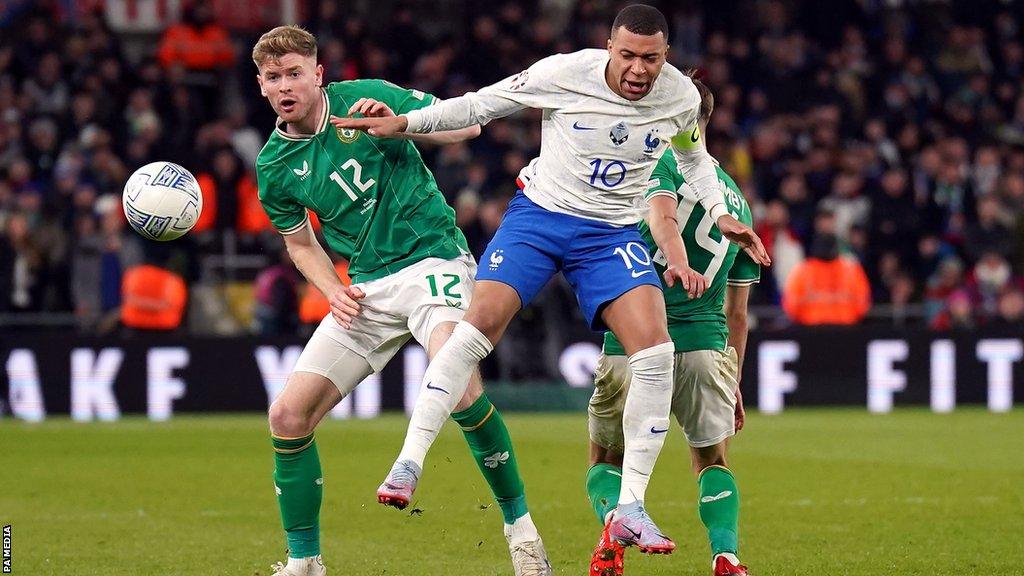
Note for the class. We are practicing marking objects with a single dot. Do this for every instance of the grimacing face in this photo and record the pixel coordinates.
(635, 60)
(292, 85)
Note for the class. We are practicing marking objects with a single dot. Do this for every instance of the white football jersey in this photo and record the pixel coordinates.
(597, 149)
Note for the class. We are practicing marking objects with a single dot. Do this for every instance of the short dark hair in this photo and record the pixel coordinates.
(641, 19)
(707, 99)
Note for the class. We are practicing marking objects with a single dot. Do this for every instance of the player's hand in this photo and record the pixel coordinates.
(370, 108)
(383, 127)
(741, 414)
(694, 283)
(345, 305)
(744, 236)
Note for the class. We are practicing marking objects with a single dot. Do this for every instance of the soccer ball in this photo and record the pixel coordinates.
(162, 201)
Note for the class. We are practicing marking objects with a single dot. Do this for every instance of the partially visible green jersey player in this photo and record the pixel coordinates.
(709, 334)
(412, 274)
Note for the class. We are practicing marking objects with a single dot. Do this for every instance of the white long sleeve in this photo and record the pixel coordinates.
(698, 169)
(531, 88)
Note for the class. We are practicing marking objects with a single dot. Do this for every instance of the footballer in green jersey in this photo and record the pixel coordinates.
(709, 334)
(380, 208)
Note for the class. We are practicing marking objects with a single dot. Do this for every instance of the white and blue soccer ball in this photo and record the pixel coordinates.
(162, 201)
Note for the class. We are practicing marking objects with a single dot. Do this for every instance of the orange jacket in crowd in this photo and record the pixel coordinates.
(251, 217)
(827, 292)
(312, 304)
(207, 48)
(152, 298)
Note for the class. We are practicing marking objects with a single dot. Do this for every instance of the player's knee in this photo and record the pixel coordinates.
(288, 421)
(653, 361)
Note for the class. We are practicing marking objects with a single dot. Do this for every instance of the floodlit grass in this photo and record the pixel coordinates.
(837, 492)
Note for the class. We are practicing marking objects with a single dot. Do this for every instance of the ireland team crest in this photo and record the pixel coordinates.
(347, 135)
(619, 134)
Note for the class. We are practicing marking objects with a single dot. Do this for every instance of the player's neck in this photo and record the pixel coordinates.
(310, 123)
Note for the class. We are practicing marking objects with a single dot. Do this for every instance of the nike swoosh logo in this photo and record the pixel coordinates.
(631, 531)
(656, 431)
(432, 387)
(639, 274)
(576, 126)
(694, 136)
(720, 496)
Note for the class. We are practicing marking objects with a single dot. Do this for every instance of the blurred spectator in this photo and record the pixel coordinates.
(990, 232)
(782, 245)
(990, 278)
(1011, 309)
(153, 298)
(201, 47)
(827, 289)
(99, 259)
(277, 296)
(957, 313)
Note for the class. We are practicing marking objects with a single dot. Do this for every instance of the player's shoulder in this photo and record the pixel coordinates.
(567, 63)
(674, 84)
(268, 161)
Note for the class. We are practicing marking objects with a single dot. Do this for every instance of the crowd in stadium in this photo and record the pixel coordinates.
(892, 142)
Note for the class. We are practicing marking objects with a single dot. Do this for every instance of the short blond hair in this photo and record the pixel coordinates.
(283, 40)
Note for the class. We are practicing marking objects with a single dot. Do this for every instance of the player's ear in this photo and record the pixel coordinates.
(319, 74)
(259, 80)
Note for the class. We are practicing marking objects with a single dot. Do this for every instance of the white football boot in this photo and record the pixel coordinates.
(312, 566)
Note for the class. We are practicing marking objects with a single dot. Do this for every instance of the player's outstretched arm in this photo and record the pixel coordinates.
(665, 231)
(372, 108)
(532, 88)
(315, 265)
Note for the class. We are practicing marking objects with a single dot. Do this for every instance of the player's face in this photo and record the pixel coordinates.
(635, 62)
(292, 85)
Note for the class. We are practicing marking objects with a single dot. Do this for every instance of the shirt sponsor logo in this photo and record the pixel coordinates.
(302, 173)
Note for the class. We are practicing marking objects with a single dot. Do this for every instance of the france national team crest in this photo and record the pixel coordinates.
(651, 142)
(347, 135)
(619, 134)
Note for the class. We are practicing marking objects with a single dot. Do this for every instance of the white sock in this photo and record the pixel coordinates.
(645, 418)
(522, 530)
(444, 384)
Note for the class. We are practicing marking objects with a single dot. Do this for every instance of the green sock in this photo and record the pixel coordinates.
(603, 482)
(719, 507)
(299, 485)
(491, 446)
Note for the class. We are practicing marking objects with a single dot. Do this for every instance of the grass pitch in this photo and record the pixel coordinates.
(836, 492)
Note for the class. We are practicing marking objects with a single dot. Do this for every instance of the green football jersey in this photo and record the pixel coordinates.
(377, 202)
(698, 324)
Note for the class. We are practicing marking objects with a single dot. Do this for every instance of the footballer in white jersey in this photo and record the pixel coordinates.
(607, 117)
